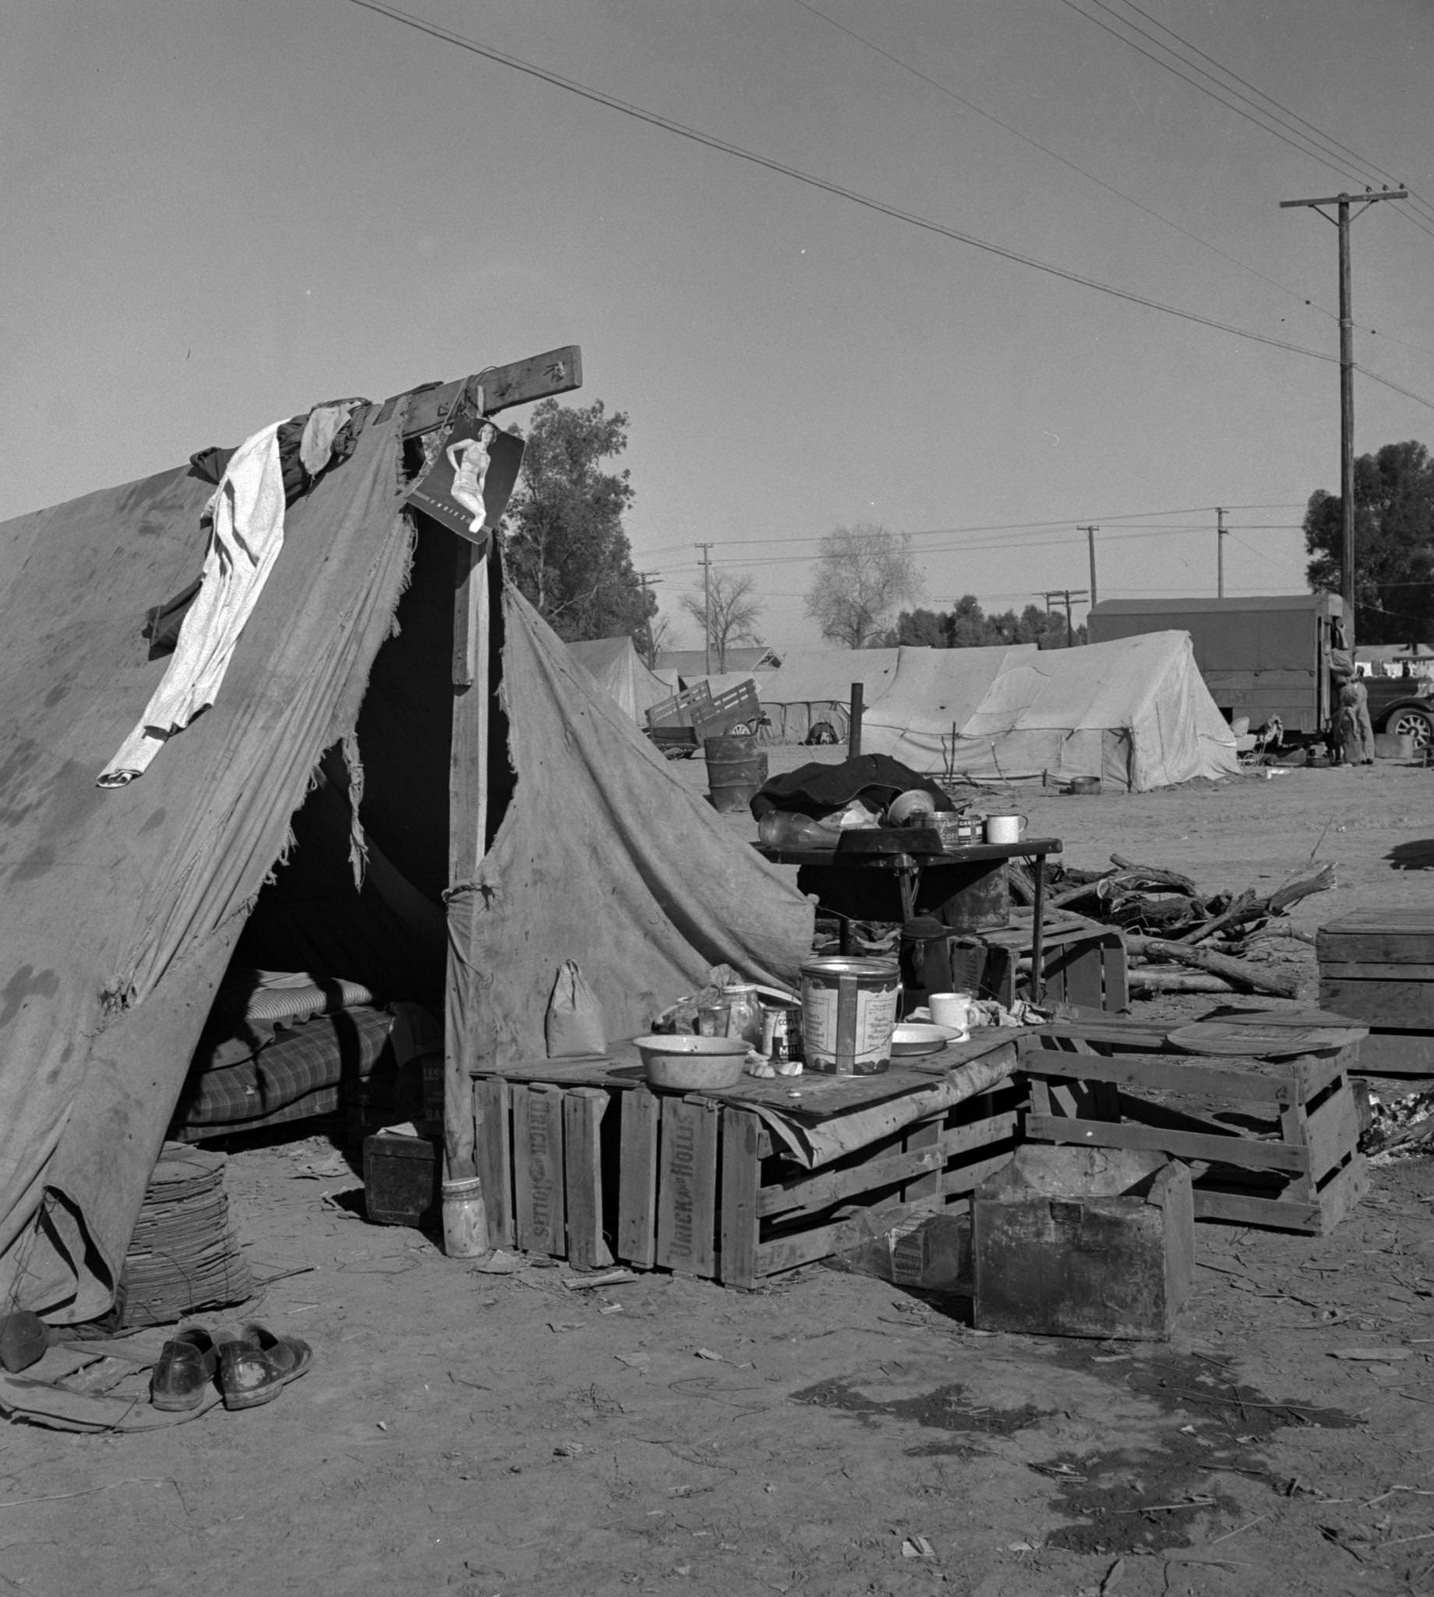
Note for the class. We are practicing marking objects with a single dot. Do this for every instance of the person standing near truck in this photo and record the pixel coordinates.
(1356, 733)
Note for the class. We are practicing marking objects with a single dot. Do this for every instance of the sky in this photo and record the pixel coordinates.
(218, 215)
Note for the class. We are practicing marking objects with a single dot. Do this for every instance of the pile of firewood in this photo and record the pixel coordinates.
(1168, 922)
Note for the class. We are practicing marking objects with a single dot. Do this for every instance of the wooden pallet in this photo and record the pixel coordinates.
(605, 1170)
(1270, 1142)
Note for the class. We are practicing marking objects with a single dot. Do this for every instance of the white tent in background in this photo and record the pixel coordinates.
(932, 695)
(1134, 712)
(816, 686)
(614, 664)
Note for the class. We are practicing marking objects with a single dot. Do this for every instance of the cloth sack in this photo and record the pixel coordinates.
(574, 1024)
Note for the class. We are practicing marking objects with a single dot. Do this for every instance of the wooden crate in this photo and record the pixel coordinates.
(1270, 1142)
(1083, 962)
(603, 1170)
(1378, 967)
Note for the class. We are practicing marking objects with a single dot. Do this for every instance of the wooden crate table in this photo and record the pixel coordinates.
(1378, 968)
(1270, 1141)
(581, 1160)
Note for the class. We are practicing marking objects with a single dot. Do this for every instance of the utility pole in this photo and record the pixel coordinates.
(1090, 533)
(706, 549)
(1341, 219)
(1219, 553)
(644, 577)
(1067, 594)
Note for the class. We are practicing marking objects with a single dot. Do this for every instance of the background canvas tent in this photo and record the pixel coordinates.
(507, 829)
(616, 667)
(1134, 712)
(931, 694)
(815, 685)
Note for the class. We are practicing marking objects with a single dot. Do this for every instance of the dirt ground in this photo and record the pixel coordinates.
(831, 1435)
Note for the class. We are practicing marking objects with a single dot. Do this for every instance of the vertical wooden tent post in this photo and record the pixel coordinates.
(557, 371)
(467, 811)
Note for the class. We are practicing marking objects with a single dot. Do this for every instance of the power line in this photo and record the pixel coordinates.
(866, 201)
(1328, 138)
(1055, 155)
(1298, 142)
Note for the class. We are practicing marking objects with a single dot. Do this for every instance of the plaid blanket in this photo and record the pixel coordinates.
(301, 1072)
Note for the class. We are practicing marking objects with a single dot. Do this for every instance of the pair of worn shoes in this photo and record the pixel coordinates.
(251, 1368)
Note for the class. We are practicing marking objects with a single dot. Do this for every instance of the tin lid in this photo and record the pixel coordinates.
(850, 965)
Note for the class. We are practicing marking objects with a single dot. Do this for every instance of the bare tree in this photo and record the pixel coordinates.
(652, 638)
(728, 610)
(864, 573)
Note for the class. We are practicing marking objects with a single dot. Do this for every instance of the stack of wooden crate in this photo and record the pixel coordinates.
(1377, 967)
(581, 1160)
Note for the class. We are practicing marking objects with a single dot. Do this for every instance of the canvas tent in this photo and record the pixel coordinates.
(511, 816)
(1134, 712)
(815, 685)
(614, 664)
(691, 665)
(931, 695)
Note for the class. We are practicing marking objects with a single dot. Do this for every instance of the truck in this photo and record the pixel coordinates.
(1271, 656)
(680, 725)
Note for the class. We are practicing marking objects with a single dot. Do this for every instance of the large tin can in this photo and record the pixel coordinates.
(848, 1014)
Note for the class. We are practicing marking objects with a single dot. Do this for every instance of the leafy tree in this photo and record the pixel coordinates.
(920, 628)
(968, 627)
(1393, 544)
(728, 610)
(863, 573)
(567, 550)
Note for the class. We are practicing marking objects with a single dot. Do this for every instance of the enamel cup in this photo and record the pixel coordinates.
(1005, 828)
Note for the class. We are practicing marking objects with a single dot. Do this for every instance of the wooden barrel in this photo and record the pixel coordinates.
(735, 771)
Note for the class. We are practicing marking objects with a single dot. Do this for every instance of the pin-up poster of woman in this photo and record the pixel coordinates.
(471, 479)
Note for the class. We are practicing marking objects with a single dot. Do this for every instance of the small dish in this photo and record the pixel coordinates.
(912, 1037)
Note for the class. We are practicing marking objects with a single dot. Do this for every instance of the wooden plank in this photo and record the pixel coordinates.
(1340, 1194)
(966, 1178)
(925, 1137)
(1339, 944)
(1369, 970)
(1245, 1210)
(493, 1157)
(557, 371)
(1113, 1033)
(583, 1110)
(520, 382)
(1117, 977)
(1163, 1073)
(1395, 1053)
(1234, 1150)
(806, 1247)
(1331, 1131)
(1312, 1073)
(687, 1186)
(538, 1211)
(1396, 1006)
(1083, 977)
(637, 1179)
(811, 1193)
(741, 1176)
